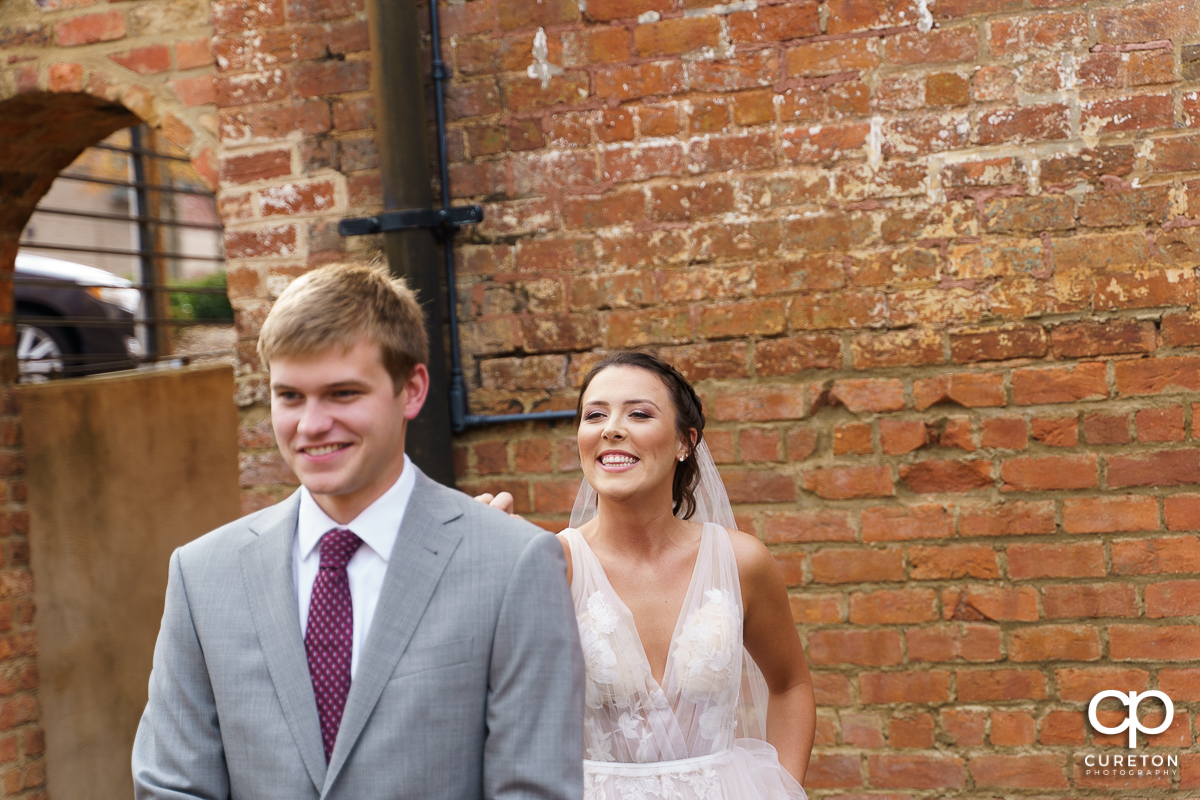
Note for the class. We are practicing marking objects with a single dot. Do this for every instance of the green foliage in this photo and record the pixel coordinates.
(205, 306)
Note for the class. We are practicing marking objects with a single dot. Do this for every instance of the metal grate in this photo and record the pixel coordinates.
(132, 207)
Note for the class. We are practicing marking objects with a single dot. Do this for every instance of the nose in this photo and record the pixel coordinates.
(613, 429)
(314, 420)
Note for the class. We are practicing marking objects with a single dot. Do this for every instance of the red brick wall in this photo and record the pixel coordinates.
(936, 288)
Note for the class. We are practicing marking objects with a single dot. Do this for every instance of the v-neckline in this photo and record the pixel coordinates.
(658, 682)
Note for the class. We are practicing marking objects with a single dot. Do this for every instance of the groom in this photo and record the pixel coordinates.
(375, 635)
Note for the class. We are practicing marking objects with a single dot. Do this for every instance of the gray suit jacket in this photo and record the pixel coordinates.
(469, 685)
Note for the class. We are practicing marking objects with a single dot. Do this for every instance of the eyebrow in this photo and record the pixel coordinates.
(626, 403)
(327, 387)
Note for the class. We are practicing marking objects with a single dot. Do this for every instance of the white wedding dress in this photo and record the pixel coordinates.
(700, 735)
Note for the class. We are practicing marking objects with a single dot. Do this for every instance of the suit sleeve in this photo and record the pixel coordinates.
(178, 752)
(534, 745)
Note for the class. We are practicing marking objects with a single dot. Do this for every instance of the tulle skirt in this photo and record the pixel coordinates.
(750, 770)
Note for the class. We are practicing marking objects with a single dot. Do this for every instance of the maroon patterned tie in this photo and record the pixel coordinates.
(330, 634)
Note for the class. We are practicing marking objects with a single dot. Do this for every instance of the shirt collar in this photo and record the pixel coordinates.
(377, 525)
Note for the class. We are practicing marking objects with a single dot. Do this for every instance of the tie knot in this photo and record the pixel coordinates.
(337, 548)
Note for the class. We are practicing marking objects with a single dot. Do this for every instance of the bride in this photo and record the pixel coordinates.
(697, 687)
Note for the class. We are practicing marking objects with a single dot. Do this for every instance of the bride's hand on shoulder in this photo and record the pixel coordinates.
(503, 501)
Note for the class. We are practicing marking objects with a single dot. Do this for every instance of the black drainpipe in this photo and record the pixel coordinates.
(400, 116)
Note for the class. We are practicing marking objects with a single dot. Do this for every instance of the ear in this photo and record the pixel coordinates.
(684, 448)
(415, 389)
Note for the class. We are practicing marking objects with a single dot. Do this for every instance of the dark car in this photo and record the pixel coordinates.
(72, 319)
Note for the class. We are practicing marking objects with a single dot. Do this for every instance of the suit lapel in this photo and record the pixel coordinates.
(266, 565)
(423, 549)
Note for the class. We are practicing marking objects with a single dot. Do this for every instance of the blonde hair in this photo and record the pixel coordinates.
(340, 304)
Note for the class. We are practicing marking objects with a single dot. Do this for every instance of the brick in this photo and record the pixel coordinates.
(999, 685)
(1093, 254)
(869, 395)
(1157, 375)
(947, 89)
(1030, 123)
(1020, 771)
(1164, 468)
(774, 23)
(759, 445)
(1180, 329)
(1047, 212)
(825, 310)
(998, 343)
(1145, 290)
(1041, 473)
(598, 211)
(995, 603)
(823, 143)
(810, 609)
(840, 483)
(1079, 685)
(964, 727)
(293, 199)
(1156, 556)
(727, 320)
(681, 201)
(916, 772)
(1106, 429)
(821, 525)
(331, 77)
(934, 476)
(875, 648)
(1153, 643)
(758, 486)
(852, 437)
(1031, 33)
(1110, 514)
(896, 348)
(627, 82)
(1062, 727)
(1172, 599)
(1055, 643)
(895, 523)
(1149, 205)
(893, 607)
(918, 686)
(1005, 433)
(104, 26)
(953, 562)
(801, 443)
(939, 643)
(517, 16)
(862, 730)
(147, 60)
(1012, 728)
(279, 240)
(857, 566)
(760, 404)
(1056, 431)
(1006, 519)
(677, 35)
(1181, 685)
(1115, 337)
(827, 57)
(1035, 386)
(898, 437)
(1145, 22)
(1082, 601)
(777, 357)
(1182, 512)
(938, 46)
(967, 389)
(832, 690)
(911, 731)
(833, 771)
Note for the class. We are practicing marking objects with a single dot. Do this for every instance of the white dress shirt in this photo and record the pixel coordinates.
(377, 526)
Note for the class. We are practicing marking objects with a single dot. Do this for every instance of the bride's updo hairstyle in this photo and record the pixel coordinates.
(689, 414)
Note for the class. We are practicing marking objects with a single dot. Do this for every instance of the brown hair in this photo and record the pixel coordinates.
(689, 414)
(340, 304)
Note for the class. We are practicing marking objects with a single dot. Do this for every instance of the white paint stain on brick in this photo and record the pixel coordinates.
(541, 69)
(924, 18)
(875, 141)
(648, 17)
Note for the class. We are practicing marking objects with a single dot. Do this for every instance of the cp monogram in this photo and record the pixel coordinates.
(1132, 723)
